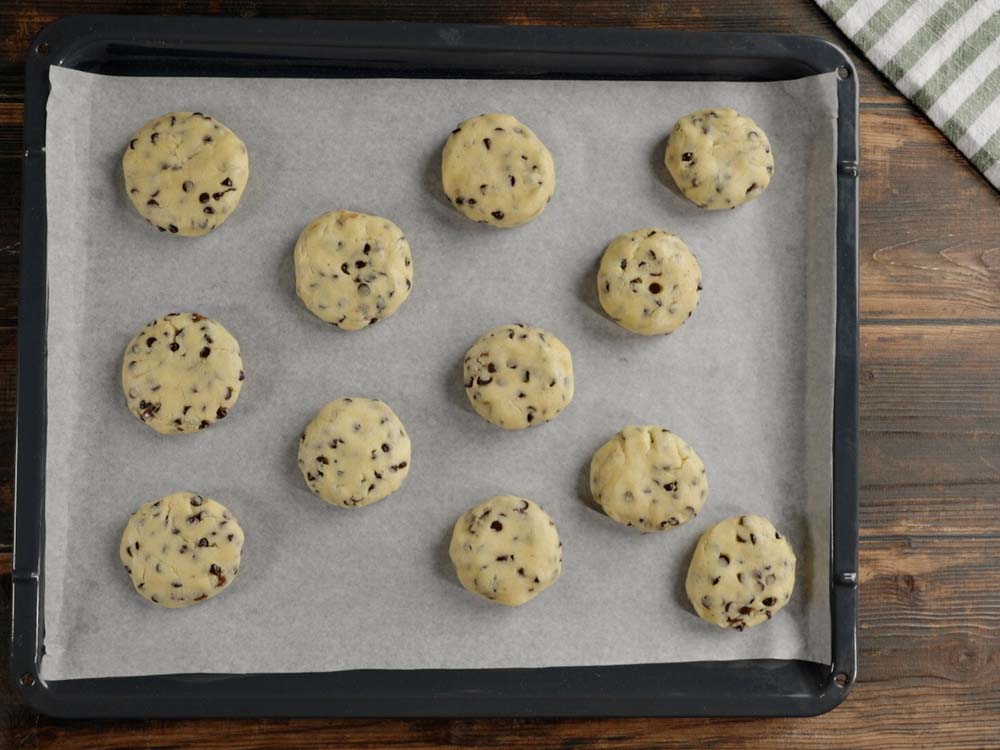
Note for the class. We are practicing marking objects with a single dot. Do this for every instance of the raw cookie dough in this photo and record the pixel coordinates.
(494, 169)
(181, 549)
(351, 269)
(185, 172)
(517, 376)
(506, 549)
(742, 573)
(647, 477)
(719, 158)
(181, 373)
(649, 281)
(355, 452)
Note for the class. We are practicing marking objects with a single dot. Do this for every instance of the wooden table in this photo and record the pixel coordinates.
(930, 421)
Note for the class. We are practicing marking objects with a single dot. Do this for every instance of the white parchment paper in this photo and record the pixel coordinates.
(748, 380)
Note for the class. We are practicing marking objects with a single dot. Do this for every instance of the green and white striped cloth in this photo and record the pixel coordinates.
(943, 55)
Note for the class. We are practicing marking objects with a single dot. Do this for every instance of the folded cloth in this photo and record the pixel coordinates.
(944, 56)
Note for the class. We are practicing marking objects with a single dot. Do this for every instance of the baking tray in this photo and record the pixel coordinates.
(126, 45)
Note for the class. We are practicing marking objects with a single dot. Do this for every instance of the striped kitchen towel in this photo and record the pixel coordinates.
(943, 55)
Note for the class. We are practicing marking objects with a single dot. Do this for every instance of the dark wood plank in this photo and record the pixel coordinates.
(930, 239)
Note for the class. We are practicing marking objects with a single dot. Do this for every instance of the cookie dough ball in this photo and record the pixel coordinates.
(495, 170)
(351, 269)
(181, 373)
(649, 478)
(185, 172)
(517, 376)
(181, 549)
(742, 573)
(649, 281)
(507, 550)
(719, 158)
(355, 452)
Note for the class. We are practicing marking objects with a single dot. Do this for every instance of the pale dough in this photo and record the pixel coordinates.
(185, 172)
(181, 373)
(649, 281)
(742, 573)
(354, 452)
(506, 550)
(181, 549)
(719, 158)
(494, 169)
(649, 478)
(517, 376)
(352, 269)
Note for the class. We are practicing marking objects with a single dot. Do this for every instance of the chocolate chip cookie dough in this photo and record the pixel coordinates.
(181, 549)
(649, 282)
(719, 158)
(649, 478)
(354, 452)
(494, 169)
(506, 550)
(351, 269)
(181, 373)
(517, 376)
(185, 172)
(742, 573)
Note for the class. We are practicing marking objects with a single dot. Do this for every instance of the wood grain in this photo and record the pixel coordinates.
(930, 416)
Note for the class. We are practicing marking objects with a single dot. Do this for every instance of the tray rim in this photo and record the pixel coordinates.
(771, 687)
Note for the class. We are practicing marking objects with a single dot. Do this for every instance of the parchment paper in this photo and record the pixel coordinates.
(748, 380)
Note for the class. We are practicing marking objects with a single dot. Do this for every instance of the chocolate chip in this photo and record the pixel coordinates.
(173, 229)
(227, 182)
(203, 542)
(154, 137)
(498, 215)
(242, 376)
(486, 142)
(497, 526)
(208, 210)
(207, 139)
(512, 180)
(740, 539)
(753, 538)
(132, 143)
(745, 610)
(624, 264)
(655, 288)
(530, 417)
(687, 156)
(472, 201)
(360, 264)
(203, 425)
(152, 202)
(715, 581)
(221, 412)
(724, 558)
(204, 352)
(670, 486)
(456, 130)
(150, 340)
(491, 367)
(751, 188)
(203, 198)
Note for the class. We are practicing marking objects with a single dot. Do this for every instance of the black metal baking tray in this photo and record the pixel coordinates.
(128, 45)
